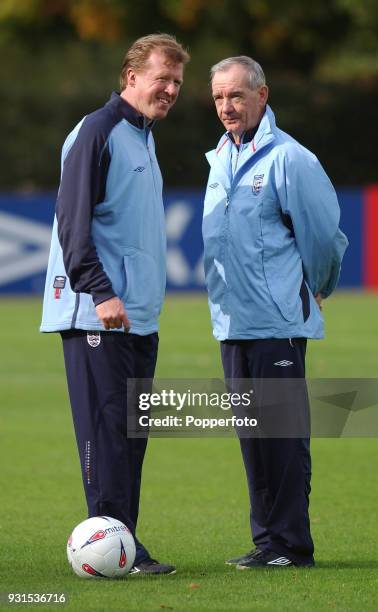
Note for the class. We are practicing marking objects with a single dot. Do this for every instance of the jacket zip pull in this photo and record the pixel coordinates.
(227, 203)
(150, 158)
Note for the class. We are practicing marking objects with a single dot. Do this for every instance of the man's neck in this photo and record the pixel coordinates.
(243, 137)
(126, 95)
(137, 118)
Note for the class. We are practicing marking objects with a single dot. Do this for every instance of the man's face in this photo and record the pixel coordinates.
(156, 88)
(239, 107)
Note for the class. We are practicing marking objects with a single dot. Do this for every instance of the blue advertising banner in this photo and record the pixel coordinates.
(25, 231)
(26, 221)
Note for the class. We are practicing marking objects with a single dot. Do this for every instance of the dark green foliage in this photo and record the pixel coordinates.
(61, 59)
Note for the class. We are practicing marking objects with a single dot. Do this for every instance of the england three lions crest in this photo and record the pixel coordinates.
(257, 183)
(93, 338)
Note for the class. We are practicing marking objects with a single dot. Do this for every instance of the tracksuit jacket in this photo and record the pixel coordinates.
(271, 237)
(108, 236)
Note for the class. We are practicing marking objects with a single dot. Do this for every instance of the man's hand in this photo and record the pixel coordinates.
(318, 299)
(113, 314)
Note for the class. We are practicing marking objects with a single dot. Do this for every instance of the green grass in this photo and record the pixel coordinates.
(194, 509)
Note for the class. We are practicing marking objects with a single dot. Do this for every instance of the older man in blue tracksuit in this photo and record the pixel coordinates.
(106, 274)
(272, 252)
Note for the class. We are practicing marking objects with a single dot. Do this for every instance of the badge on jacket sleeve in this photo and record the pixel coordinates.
(59, 284)
(257, 183)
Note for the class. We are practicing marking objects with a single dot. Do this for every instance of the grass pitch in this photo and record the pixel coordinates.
(194, 509)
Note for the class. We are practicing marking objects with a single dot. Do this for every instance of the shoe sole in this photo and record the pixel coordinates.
(262, 567)
(234, 563)
(291, 565)
(152, 573)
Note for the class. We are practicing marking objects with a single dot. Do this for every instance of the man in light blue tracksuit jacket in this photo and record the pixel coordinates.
(106, 275)
(272, 252)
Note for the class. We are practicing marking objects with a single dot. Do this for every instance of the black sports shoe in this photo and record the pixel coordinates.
(270, 559)
(151, 567)
(244, 558)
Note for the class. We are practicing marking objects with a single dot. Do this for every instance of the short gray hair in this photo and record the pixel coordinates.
(255, 72)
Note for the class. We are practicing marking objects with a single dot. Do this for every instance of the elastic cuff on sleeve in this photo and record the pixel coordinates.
(102, 295)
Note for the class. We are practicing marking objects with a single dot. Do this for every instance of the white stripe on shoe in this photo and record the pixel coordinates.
(279, 561)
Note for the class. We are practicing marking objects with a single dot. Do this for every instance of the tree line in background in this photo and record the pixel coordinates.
(60, 59)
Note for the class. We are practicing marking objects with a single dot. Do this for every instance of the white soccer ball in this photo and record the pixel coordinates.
(101, 547)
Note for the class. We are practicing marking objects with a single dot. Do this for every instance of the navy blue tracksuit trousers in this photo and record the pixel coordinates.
(98, 366)
(278, 469)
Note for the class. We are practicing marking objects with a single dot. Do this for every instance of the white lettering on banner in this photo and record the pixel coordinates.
(179, 272)
(178, 216)
(25, 245)
(199, 272)
(16, 235)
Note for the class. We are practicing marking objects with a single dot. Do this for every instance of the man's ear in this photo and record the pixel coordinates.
(131, 77)
(263, 95)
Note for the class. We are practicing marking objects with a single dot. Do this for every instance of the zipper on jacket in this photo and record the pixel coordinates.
(151, 164)
(227, 203)
(235, 169)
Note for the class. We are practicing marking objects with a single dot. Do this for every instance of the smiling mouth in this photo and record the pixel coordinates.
(164, 101)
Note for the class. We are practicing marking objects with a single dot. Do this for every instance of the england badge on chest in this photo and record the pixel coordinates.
(257, 183)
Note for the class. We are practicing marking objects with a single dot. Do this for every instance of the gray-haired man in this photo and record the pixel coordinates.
(272, 253)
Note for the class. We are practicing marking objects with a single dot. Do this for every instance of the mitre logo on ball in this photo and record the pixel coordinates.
(101, 547)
